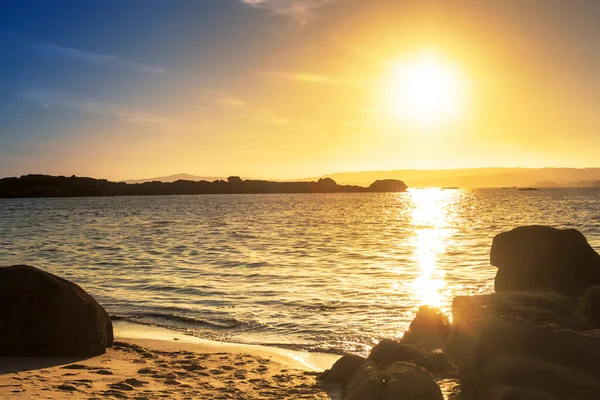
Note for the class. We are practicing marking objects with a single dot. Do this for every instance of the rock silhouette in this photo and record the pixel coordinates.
(61, 186)
(44, 315)
(428, 330)
(541, 258)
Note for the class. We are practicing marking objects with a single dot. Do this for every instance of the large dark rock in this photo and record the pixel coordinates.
(590, 304)
(44, 315)
(388, 185)
(407, 381)
(343, 369)
(530, 342)
(541, 258)
(388, 351)
(365, 384)
(428, 330)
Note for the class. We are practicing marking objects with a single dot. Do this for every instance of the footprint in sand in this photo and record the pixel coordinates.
(134, 382)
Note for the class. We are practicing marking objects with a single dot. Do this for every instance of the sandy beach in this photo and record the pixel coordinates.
(155, 363)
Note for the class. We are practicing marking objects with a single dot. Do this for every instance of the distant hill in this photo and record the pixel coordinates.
(177, 177)
(62, 186)
(479, 177)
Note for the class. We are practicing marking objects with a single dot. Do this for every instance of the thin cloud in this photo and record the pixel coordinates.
(100, 59)
(224, 98)
(54, 98)
(296, 9)
(315, 79)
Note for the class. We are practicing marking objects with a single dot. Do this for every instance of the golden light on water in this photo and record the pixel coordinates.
(430, 221)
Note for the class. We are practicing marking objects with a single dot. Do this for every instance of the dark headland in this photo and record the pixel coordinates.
(62, 186)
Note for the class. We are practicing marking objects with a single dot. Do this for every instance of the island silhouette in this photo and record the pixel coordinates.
(62, 186)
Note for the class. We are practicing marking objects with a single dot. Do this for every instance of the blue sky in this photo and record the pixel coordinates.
(136, 88)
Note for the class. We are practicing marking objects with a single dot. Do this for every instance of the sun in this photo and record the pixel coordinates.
(425, 89)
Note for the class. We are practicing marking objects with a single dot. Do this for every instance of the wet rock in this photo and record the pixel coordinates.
(407, 381)
(44, 315)
(388, 351)
(428, 330)
(590, 305)
(343, 369)
(541, 258)
(365, 384)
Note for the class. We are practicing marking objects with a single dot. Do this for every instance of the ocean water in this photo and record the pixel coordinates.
(317, 272)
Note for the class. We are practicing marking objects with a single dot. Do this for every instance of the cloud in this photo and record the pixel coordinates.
(100, 59)
(315, 79)
(224, 98)
(53, 98)
(297, 9)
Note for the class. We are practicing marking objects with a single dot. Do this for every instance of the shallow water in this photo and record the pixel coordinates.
(321, 272)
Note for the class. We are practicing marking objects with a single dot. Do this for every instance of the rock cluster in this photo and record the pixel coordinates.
(536, 338)
(44, 315)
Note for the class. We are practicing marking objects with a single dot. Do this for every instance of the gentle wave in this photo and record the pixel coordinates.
(326, 272)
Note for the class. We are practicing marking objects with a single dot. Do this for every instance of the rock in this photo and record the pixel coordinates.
(520, 393)
(428, 330)
(437, 363)
(407, 381)
(590, 304)
(343, 369)
(388, 185)
(544, 376)
(44, 315)
(524, 340)
(541, 258)
(388, 351)
(365, 384)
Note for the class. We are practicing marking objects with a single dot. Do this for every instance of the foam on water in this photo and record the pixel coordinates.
(322, 272)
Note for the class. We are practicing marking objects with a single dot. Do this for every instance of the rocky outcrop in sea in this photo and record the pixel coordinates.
(536, 338)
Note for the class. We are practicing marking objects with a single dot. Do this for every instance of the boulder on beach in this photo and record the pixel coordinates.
(589, 302)
(407, 381)
(343, 369)
(44, 315)
(365, 384)
(388, 351)
(530, 342)
(541, 258)
(428, 330)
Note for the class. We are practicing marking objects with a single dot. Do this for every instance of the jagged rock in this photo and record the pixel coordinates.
(44, 315)
(522, 339)
(428, 330)
(388, 351)
(365, 384)
(541, 258)
(343, 369)
(590, 304)
(407, 381)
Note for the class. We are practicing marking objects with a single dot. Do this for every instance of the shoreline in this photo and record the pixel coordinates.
(141, 333)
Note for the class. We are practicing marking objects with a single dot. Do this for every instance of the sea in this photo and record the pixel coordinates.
(331, 273)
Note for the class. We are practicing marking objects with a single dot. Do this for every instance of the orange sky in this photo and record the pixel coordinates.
(273, 91)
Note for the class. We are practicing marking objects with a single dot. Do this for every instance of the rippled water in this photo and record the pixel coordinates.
(329, 272)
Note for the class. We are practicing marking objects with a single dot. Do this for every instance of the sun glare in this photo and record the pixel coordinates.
(425, 89)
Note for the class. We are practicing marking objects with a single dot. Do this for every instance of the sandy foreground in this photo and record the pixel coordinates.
(155, 363)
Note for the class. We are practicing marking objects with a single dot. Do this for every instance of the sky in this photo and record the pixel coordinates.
(284, 89)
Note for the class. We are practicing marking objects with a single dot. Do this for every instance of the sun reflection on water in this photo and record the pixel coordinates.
(431, 221)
